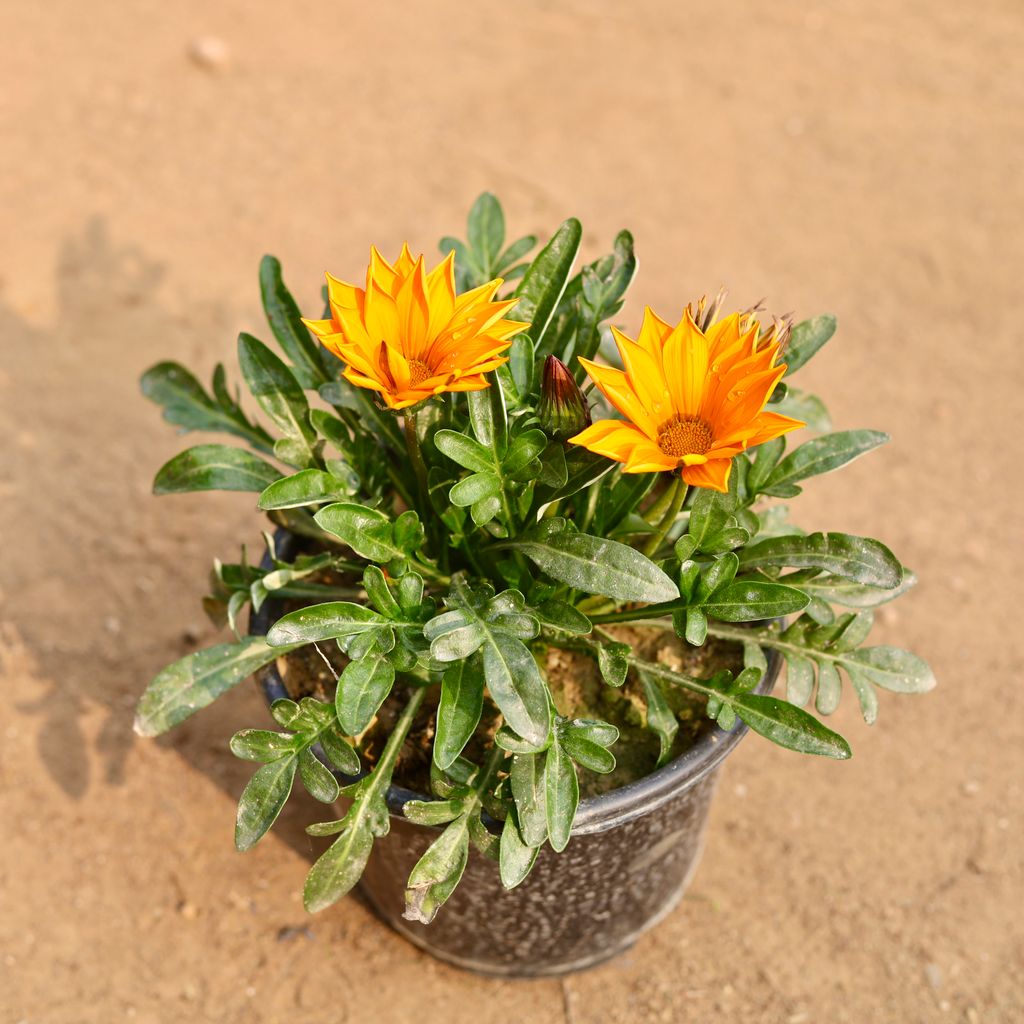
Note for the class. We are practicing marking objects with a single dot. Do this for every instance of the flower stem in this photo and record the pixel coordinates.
(412, 444)
(678, 496)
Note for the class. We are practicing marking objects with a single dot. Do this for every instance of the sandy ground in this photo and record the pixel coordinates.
(863, 158)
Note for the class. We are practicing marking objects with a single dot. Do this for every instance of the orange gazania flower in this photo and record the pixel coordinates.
(692, 398)
(408, 336)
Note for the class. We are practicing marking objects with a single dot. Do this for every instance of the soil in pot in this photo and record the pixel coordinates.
(577, 689)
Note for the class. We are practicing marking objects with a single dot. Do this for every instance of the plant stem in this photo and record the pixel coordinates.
(652, 611)
(678, 496)
(650, 667)
(386, 763)
(430, 572)
(494, 759)
(412, 444)
(658, 506)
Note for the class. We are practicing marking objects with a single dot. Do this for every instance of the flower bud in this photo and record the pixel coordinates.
(563, 410)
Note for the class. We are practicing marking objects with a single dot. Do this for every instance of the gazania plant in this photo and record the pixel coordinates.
(517, 552)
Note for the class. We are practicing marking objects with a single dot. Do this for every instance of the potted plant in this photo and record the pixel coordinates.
(506, 570)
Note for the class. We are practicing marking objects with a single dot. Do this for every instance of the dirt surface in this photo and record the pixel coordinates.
(860, 158)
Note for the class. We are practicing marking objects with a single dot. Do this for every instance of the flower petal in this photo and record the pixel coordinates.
(713, 475)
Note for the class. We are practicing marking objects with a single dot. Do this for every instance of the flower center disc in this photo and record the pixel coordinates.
(685, 436)
(418, 371)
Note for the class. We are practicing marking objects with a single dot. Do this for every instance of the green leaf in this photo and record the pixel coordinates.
(498, 624)
(260, 745)
(474, 488)
(749, 600)
(286, 322)
(580, 744)
(362, 688)
(437, 873)
(489, 420)
(802, 405)
(486, 231)
(517, 687)
(806, 339)
(696, 627)
(765, 458)
(262, 800)
(830, 688)
(594, 565)
(317, 777)
(893, 669)
(528, 792)
(329, 621)
(866, 695)
(661, 718)
(516, 251)
(369, 532)
(454, 635)
(598, 296)
(860, 559)
(281, 397)
(516, 857)
(821, 455)
(187, 405)
(432, 812)
(341, 754)
(214, 467)
(612, 660)
(799, 679)
(562, 616)
(789, 726)
(459, 709)
(836, 590)
(545, 281)
(582, 469)
(307, 487)
(378, 593)
(562, 795)
(464, 451)
(338, 868)
(197, 680)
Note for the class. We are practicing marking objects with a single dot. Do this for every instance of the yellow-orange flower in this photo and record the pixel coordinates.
(692, 398)
(408, 336)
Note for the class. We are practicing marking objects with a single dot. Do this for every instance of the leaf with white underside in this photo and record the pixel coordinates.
(198, 679)
(860, 559)
(820, 455)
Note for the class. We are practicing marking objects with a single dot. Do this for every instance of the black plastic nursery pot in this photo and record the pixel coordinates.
(632, 853)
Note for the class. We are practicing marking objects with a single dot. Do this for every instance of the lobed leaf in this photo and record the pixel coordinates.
(859, 559)
(789, 726)
(198, 679)
(821, 455)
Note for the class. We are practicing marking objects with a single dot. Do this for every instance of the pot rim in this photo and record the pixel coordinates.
(594, 813)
